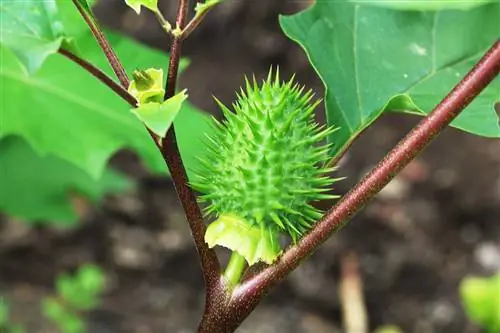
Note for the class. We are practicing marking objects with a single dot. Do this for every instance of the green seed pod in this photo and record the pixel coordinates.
(264, 166)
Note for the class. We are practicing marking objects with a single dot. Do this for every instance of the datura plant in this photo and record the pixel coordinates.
(260, 169)
(265, 165)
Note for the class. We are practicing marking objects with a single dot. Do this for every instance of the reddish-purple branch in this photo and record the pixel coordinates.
(101, 76)
(246, 296)
(170, 151)
(104, 44)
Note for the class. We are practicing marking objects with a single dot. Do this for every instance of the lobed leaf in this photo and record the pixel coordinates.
(373, 60)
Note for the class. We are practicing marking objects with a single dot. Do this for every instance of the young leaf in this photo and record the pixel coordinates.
(202, 7)
(68, 113)
(375, 59)
(481, 298)
(39, 188)
(158, 117)
(31, 29)
(426, 4)
(91, 278)
(136, 5)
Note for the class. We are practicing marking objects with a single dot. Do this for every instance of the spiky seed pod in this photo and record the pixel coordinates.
(264, 167)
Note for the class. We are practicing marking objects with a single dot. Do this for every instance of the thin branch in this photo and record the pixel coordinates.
(101, 76)
(104, 44)
(170, 151)
(194, 23)
(247, 295)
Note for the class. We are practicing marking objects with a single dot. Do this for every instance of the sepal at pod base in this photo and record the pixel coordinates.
(265, 164)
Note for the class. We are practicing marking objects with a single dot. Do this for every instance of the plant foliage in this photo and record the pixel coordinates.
(373, 60)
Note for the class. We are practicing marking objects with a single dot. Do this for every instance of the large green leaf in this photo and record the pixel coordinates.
(426, 4)
(374, 59)
(39, 188)
(64, 111)
(31, 29)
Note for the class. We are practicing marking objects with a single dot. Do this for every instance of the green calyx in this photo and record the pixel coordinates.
(147, 86)
(155, 112)
(255, 243)
(264, 167)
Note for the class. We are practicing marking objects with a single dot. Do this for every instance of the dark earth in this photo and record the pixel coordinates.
(433, 225)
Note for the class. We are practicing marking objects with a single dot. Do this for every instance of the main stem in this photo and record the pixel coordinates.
(247, 295)
(168, 145)
(170, 151)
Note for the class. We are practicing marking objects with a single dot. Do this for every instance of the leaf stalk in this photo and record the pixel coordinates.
(110, 54)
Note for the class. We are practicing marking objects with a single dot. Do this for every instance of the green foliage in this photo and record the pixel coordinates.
(481, 299)
(31, 29)
(373, 60)
(426, 4)
(75, 294)
(54, 181)
(203, 7)
(5, 325)
(158, 117)
(85, 126)
(262, 168)
(137, 4)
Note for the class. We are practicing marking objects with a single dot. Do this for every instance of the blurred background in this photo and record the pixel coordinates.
(436, 223)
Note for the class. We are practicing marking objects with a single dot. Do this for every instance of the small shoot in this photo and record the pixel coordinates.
(75, 295)
(157, 114)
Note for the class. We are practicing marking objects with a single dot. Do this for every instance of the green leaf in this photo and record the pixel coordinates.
(203, 7)
(74, 24)
(4, 312)
(158, 117)
(481, 299)
(136, 5)
(426, 4)
(39, 188)
(53, 309)
(374, 59)
(73, 294)
(91, 278)
(31, 29)
(68, 113)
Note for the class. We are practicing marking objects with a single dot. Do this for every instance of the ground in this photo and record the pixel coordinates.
(433, 225)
